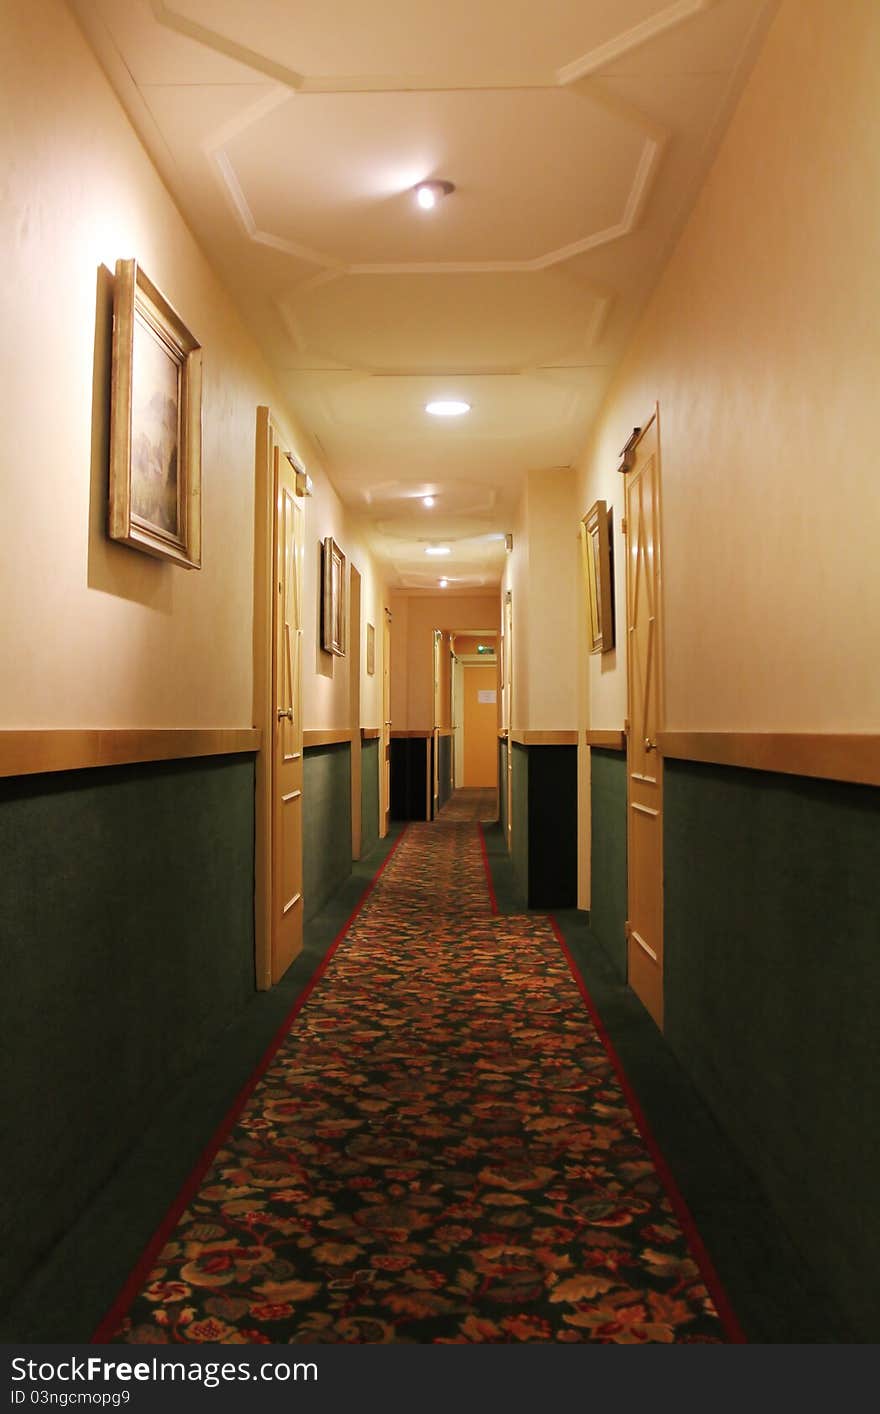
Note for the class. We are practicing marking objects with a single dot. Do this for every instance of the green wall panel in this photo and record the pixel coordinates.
(369, 796)
(772, 997)
(502, 786)
(126, 943)
(519, 809)
(326, 823)
(444, 771)
(608, 853)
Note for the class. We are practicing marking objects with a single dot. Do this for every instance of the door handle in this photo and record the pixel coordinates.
(649, 744)
(285, 712)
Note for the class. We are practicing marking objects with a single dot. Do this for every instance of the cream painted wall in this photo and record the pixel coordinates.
(414, 618)
(95, 634)
(761, 345)
(325, 683)
(553, 600)
(542, 574)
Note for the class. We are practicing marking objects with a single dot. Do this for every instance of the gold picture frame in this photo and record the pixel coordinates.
(332, 598)
(596, 541)
(155, 500)
(371, 649)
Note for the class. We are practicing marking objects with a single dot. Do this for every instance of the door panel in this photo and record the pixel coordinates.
(507, 708)
(385, 763)
(644, 766)
(287, 777)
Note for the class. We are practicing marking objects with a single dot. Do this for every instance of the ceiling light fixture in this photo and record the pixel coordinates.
(437, 550)
(429, 193)
(444, 583)
(447, 407)
(427, 501)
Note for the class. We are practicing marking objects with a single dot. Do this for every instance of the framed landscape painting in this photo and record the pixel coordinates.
(597, 567)
(332, 598)
(155, 424)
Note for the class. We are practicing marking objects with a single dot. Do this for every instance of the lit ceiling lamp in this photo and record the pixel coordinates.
(447, 407)
(437, 550)
(429, 193)
(428, 501)
(444, 583)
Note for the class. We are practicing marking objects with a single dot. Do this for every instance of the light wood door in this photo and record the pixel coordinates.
(645, 720)
(507, 709)
(457, 722)
(480, 725)
(287, 760)
(385, 763)
(355, 630)
(435, 754)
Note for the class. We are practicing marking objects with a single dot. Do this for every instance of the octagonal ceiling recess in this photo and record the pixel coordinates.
(293, 135)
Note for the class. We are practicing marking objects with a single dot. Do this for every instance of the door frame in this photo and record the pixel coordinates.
(268, 435)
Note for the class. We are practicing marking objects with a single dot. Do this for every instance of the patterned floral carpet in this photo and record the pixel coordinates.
(473, 803)
(440, 1151)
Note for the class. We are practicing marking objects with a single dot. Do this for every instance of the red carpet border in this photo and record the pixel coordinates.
(440, 1151)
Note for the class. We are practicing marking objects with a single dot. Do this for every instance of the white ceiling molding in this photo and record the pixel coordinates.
(633, 38)
(589, 63)
(603, 300)
(643, 178)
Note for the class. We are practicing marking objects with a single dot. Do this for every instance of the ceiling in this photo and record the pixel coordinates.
(291, 132)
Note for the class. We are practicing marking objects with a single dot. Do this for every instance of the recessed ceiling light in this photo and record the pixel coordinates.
(443, 583)
(429, 193)
(427, 500)
(437, 550)
(447, 407)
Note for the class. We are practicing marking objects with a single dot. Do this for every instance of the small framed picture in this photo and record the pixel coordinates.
(371, 649)
(332, 598)
(596, 543)
(155, 500)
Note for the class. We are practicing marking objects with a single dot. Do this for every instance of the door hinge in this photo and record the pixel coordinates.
(626, 726)
(623, 525)
(627, 929)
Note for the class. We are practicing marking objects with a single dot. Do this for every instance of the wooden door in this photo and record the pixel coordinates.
(287, 760)
(507, 709)
(435, 762)
(354, 705)
(385, 762)
(645, 719)
(457, 718)
(480, 725)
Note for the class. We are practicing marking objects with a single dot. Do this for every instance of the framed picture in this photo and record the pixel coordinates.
(155, 424)
(371, 649)
(597, 568)
(332, 598)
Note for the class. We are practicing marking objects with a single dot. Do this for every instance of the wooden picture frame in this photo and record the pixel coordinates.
(596, 542)
(371, 649)
(155, 501)
(332, 598)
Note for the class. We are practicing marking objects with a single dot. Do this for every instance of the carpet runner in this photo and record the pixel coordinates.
(472, 803)
(440, 1151)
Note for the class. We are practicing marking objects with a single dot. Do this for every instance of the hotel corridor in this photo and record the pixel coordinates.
(439, 733)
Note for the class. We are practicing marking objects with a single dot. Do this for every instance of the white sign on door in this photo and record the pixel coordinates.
(486, 694)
